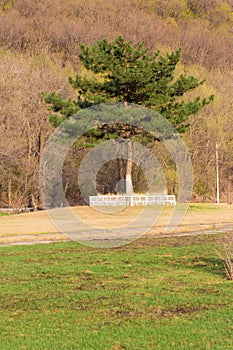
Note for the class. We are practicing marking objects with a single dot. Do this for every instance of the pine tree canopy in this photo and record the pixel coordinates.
(122, 72)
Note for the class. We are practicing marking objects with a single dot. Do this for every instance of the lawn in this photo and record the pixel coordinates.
(152, 294)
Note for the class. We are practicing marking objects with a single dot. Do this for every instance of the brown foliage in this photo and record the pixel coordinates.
(24, 126)
(204, 47)
(59, 27)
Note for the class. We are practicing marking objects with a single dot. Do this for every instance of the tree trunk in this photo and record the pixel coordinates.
(128, 177)
(9, 192)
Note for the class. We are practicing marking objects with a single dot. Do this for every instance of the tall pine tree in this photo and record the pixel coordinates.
(122, 72)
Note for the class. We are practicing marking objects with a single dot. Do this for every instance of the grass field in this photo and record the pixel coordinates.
(152, 294)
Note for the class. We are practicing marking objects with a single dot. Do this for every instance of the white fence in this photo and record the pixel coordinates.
(125, 200)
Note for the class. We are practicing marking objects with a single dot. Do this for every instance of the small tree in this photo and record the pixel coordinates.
(225, 253)
(122, 72)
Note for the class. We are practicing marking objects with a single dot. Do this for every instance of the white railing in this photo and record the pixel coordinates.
(124, 200)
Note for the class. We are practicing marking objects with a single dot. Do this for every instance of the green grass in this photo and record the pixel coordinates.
(4, 214)
(153, 294)
(203, 207)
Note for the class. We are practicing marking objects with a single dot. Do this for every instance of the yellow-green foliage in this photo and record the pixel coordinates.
(6, 4)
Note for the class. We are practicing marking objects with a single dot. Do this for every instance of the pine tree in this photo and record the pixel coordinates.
(122, 72)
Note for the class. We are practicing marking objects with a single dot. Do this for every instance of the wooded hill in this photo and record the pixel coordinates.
(39, 48)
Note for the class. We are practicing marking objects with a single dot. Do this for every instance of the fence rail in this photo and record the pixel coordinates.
(131, 200)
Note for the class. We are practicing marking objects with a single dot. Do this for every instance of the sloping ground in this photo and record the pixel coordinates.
(31, 227)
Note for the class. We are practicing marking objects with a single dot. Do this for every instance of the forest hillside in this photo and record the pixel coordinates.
(39, 49)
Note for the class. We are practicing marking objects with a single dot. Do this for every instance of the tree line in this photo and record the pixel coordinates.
(40, 48)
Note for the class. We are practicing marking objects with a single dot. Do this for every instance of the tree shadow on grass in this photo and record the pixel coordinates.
(213, 266)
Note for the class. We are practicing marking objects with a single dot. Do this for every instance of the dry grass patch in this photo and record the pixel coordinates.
(199, 217)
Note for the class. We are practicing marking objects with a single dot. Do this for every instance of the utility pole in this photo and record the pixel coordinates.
(217, 175)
